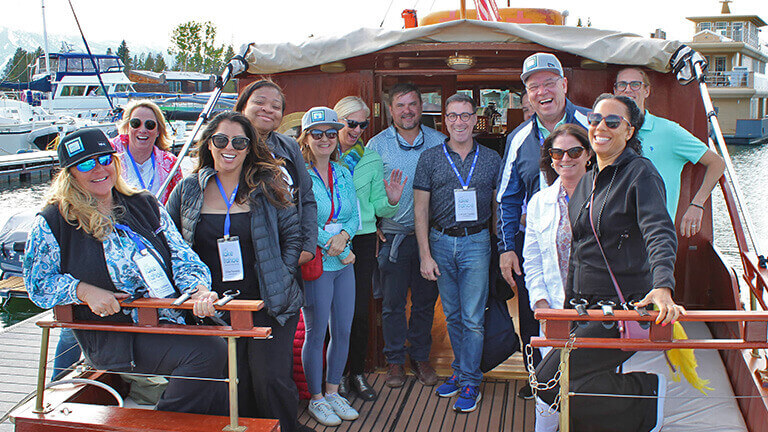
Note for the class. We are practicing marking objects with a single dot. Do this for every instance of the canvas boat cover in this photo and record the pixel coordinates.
(603, 46)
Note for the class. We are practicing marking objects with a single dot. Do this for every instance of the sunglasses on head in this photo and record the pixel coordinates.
(220, 141)
(634, 85)
(317, 134)
(611, 120)
(573, 152)
(148, 124)
(90, 164)
(353, 124)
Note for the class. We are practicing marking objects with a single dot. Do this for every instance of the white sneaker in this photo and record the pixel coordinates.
(341, 406)
(322, 412)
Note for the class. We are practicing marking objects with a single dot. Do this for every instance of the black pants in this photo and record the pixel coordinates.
(187, 356)
(265, 367)
(364, 247)
(594, 371)
(529, 326)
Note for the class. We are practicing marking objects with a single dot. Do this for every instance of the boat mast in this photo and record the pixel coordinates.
(463, 9)
(45, 43)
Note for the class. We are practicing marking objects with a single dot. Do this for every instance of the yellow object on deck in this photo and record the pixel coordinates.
(684, 361)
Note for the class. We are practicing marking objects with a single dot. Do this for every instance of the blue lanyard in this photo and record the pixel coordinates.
(332, 181)
(228, 202)
(136, 169)
(464, 185)
(133, 236)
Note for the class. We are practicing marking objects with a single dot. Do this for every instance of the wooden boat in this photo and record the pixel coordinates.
(368, 61)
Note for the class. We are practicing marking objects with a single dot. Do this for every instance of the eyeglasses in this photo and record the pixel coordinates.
(353, 124)
(90, 164)
(148, 124)
(317, 134)
(452, 117)
(612, 120)
(546, 85)
(573, 152)
(220, 141)
(634, 85)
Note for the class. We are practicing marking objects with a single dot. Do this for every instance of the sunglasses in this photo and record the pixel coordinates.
(612, 120)
(573, 152)
(148, 124)
(90, 164)
(452, 117)
(634, 85)
(220, 141)
(353, 124)
(317, 134)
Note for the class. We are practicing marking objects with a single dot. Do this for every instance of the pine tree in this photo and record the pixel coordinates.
(16, 69)
(125, 54)
(149, 63)
(109, 51)
(160, 65)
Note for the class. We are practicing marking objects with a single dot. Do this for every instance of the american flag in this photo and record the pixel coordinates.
(487, 10)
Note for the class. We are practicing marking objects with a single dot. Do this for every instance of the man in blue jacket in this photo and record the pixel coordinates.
(520, 175)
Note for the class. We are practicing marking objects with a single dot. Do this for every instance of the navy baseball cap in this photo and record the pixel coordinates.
(83, 145)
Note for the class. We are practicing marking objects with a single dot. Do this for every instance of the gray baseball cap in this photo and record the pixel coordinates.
(319, 116)
(541, 62)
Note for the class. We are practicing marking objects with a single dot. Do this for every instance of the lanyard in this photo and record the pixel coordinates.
(410, 147)
(464, 185)
(138, 173)
(228, 202)
(133, 236)
(335, 209)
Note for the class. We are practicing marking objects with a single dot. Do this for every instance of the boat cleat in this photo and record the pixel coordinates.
(581, 308)
(607, 307)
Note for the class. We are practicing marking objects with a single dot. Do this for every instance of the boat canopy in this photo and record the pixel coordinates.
(604, 46)
(42, 84)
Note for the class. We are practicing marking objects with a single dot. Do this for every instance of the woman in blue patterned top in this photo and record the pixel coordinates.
(330, 299)
(98, 241)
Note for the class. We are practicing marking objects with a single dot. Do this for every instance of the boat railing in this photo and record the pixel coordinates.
(557, 323)
(241, 319)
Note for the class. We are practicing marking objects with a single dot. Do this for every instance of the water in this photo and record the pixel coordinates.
(750, 163)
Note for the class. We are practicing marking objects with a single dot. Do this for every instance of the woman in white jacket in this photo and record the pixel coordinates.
(565, 156)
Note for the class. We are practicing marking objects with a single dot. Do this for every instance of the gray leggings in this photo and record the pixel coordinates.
(330, 300)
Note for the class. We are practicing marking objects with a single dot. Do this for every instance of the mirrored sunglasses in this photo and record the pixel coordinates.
(220, 141)
(148, 124)
(612, 120)
(573, 152)
(317, 134)
(634, 85)
(353, 124)
(90, 164)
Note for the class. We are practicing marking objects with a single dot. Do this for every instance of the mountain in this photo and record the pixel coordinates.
(11, 39)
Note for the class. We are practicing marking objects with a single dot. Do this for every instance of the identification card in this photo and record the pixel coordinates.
(333, 228)
(154, 276)
(231, 259)
(465, 202)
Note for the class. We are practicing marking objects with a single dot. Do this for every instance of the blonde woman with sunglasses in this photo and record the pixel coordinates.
(143, 147)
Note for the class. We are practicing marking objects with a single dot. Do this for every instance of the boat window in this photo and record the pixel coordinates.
(88, 65)
(73, 91)
(94, 91)
(74, 65)
(106, 64)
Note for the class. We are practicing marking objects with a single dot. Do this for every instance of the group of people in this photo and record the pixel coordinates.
(583, 203)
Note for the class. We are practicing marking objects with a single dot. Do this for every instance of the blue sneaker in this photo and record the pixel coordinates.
(468, 399)
(449, 388)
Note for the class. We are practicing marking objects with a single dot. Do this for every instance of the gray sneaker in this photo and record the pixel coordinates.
(322, 412)
(341, 407)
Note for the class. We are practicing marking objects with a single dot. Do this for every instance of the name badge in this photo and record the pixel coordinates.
(231, 259)
(154, 276)
(465, 202)
(333, 228)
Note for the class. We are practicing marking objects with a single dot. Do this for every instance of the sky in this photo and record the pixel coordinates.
(151, 22)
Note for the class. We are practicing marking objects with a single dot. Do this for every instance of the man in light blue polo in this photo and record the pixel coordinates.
(669, 146)
(400, 147)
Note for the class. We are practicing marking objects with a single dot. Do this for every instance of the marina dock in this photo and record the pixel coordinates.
(23, 165)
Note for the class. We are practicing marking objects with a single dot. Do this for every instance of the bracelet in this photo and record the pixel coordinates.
(696, 205)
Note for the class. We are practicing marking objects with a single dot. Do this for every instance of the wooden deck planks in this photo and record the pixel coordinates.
(415, 407)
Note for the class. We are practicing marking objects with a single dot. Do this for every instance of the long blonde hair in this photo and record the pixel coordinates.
(163, 141)
(80, 209)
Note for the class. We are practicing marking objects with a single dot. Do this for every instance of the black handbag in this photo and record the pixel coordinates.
(499, 339)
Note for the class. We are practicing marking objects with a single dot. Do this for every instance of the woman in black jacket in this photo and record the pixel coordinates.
(236, 212)
(621, 202)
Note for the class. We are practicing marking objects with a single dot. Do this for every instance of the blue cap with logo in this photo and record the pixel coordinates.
(83, 145)
(320, 116)
(541, 62)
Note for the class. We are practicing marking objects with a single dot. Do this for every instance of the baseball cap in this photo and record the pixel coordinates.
(541, 62)
(319, 116)
(83, 145)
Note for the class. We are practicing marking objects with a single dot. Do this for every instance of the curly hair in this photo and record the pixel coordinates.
(574, 130)
(636, 118)
(260, 169)
(81, 209)
(163, 141)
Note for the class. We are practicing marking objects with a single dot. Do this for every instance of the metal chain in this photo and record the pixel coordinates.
(536, 386)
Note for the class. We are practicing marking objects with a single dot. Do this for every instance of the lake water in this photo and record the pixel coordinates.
(750, 163)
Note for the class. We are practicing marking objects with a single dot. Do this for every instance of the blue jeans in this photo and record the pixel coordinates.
(463, 283)
(67, 353)
(396, 278)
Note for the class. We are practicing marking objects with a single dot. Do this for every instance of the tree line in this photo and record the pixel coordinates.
(193, 47)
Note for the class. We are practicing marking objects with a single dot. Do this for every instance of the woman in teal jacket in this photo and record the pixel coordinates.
(376, 198)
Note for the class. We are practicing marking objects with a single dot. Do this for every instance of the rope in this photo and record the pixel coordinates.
(386, 13)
